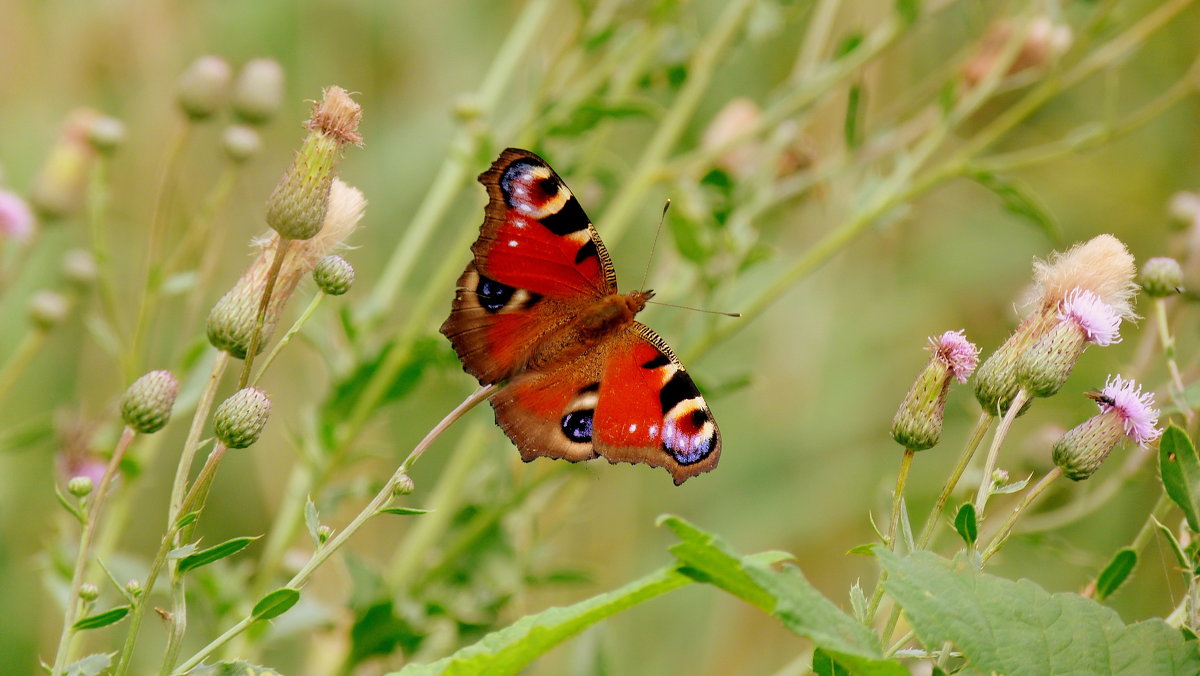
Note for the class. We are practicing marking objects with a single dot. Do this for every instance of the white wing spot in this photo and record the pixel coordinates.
(632, 427)
(512, 242)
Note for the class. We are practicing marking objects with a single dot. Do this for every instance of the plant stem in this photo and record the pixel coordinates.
(85, 543)
(964, 459)
(287, 337)
(261, 317)
(1030, 496)
(1167, 341)
(989, 463)
(98, 201)
(1144, 534)
(11, 372)
(897, 502)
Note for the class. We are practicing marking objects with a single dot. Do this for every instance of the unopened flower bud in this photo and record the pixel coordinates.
(106, 134)
(89, 592)
(999, 477)
(16, 218)
(134, 587)
(59, 188)
(1125, 413)
(1161, 277)
(203, 86)
(79, 268)
(1184, 208)
(296, 208)
(1084, 318)
(258, 91)
(918, 422)
(239, 420)
(334, 275)
(403, 485)
(146, 405)
(240, 142)
(323, 533)
(996, 382)
(80, 486)
(48, 309)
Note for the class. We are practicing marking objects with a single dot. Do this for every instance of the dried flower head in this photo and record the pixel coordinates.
(918, 422)
(1101, 265)
(16, 218)
(203, 86)
(1126, 413)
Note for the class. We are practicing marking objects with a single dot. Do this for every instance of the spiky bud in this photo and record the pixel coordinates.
(146, 405)
(48, 309)
(89, 592)
(323, 533)
(918, 422)
(1084, 318)
(58, 190)
(240, 143)
(258, 91)
(240, 419)
(79, 268)
(80, 486)
(296, 208)
(403, 485)
(334, 275)
(16, 218)
(996, 383)
(203, 86)
(1125, 413)
(106, 134)
(1161, 277)
(134, 587)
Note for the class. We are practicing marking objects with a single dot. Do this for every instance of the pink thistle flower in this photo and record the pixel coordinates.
(1135, 408)
(958, 353)
(16, 218)
(1099, 322)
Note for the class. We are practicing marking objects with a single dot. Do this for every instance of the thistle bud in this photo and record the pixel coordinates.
(323, 533)
(1084, 318)
(996, 383)
(1125, 413)
(79, 268)
(146, 405)
(1184, 208)
(106, 134)
(16, 218)
(48, 309)
(134, 587)
(240, 419)
(258, 91)
(403, 485)
(918, 423)
(59, 188)
(203, 86)
(334, 275)
(80, 486)
(1161, 277)
(296, 208)
(240, 143)
(89, 592)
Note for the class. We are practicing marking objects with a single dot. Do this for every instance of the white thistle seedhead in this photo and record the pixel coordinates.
(1102, 265)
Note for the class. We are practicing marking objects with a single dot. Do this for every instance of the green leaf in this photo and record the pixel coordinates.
(1018, 201)
(1180, 556)
(403, 510)
(275, 603)
(182, 551)
(509, 650)
(853, 113)
(1180, 471)
(215, 553)
(590, 113)
(858, 602)
(848, 44)
(1008, 627)
(312, 520)
(909, 10)
(824, 665)
(232, 668)
(1115, 573)
(966, 525)
(686, 234)
(780, 590)
(102, 619)
(92, 665)
(187, 520)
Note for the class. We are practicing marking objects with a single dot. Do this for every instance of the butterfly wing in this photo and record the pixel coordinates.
(628, 400)
(536, 259)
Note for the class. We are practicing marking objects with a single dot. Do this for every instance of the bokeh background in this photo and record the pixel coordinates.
(804, 391)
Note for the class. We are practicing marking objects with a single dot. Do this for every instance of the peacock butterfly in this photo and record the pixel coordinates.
(538, 310)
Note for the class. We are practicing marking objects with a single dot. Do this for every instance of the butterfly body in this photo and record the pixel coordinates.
(538, 309)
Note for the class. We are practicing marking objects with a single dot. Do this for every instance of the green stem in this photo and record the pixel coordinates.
(287, 337)
(16, 364)
(264, 303)
(1167, 341)
(964, 459)
(1143, 537)
(1028, 499)
(98, 203)
(893, 527)
(85, 543)
(989, 463)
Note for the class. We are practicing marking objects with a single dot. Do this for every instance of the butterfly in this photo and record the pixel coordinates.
(538, 310)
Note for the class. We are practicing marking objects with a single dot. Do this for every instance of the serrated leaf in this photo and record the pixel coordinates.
(92, 665)
(232, 668)
(858, 602)
(966, 525)
(509, 650)
(102, 619)
(403, 510)
(1008, 627)
(312, 520)
(275, 603)
(1115, 573)
(215, 553)
(1180, 471)
(1018, 201)
(779, 589)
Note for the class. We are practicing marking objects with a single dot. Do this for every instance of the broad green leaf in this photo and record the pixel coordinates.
(1115, 573)
(1019, 202)
(403, 510)
(92, 665)
(824, 665)
(275, 603)
(232, 668)
(215, 553)
(1008, 627)
(102, 619)
(1180, 471)
(780, 590)
(509, 650)
(966, 524)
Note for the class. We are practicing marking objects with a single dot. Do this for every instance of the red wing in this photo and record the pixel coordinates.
(535, 236)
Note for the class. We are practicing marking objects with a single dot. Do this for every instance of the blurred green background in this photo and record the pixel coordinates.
(804, 392)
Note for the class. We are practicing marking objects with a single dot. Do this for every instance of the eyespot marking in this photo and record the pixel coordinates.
(577, 426)
(493, 295)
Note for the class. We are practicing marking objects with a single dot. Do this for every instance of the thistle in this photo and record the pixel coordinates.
(334, 275)
(240, 419)
(202, 88)
(1161, 277)
(918, 423)
(1125, 413)
(146, 405)
(1084, 318)
(258, 91)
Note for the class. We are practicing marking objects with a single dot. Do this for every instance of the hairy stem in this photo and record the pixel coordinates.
(989, 463)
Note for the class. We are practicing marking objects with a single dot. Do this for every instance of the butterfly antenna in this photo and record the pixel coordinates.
(697, 309)
(661, 220)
